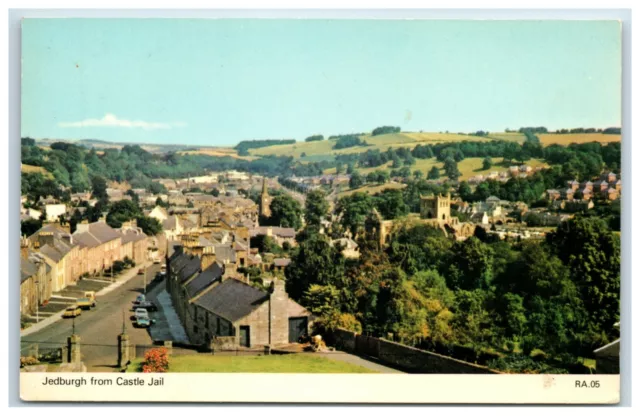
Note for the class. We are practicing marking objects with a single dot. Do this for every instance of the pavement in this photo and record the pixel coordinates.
(357, 360)
(168, 326)
(99, 327)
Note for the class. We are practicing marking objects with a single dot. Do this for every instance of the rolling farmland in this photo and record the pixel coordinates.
(567, 139)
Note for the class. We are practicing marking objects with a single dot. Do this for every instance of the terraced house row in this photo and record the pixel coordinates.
(54, 258)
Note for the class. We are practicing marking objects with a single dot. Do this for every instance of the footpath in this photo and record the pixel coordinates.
(60, 302)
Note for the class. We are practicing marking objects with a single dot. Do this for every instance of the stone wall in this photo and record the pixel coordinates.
(224, 344)
(404, 357)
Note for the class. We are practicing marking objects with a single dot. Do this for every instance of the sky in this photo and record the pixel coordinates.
(216, 82)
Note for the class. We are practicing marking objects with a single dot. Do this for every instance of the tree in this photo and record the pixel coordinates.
(122, 211)
(356, 180)
(464, 191)
(285, 212)
(486, 163)
(471, 265)
(316, 207)
(314, 261)
(30, 226)
(353, 210)
(99, 189)
(592, 252)
(390, 203)
(451, 169)
(418, 174)
(149, 225)
(434, 173)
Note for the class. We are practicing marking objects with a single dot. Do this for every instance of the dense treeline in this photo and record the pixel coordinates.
(385, 129)
(349, 141)
(245, 145)
(581, 130)
(519, 306)
(73, 167)
(315, 137)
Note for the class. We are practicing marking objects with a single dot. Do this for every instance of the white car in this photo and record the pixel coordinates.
(141, 312)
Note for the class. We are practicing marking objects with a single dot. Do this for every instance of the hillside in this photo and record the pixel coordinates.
(567, 139)
(323, 150)
(30, 169)
(468, 167)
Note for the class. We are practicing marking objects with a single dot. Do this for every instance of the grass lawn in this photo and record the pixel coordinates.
(289, 363)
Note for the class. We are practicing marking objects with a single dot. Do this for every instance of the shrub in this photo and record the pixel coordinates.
(156, 361)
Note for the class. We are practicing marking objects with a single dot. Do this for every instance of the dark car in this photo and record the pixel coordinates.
(149, 306)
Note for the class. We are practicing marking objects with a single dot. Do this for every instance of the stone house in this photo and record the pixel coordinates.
(587, 194)
(553, 194)
(54, 211)
(586, 185)
(134, 244)
(35, 279)
(279, 234)
(220, 312)
(568, 194)
(618, 185)
(609, 177)
(600, 186)
(55, 244)
(574, 185)
(232, 314)
(611, 194)
(102, 245)
(159, 213)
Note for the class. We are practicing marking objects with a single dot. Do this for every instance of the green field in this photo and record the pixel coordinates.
(30, 169)
(468, 167)
(289, 363)
(382, 142)
(373, 189)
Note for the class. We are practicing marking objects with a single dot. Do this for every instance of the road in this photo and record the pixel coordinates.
(99, 327)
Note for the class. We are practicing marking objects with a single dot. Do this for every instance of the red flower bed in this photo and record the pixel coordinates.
(156, 361)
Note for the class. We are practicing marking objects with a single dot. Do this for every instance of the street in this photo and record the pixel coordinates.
(99, 327)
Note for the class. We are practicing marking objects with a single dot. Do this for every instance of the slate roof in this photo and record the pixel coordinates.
(232, 299)
(190, 268)
(132, 235)
(27, 269)
(204, 279)
(97, 233)
(170, 223)
(275, 230)
(225, 252)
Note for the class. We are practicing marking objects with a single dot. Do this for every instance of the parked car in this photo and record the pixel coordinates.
(141, 318)
(72, 312)
(141, 271)
(157, 260)
(144, 322)
(140, 298)
(148, 305)
(85, 303)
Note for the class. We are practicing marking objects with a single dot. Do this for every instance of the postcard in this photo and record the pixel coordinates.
(320, 210)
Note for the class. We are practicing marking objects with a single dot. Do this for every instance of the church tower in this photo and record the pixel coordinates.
(265, 200)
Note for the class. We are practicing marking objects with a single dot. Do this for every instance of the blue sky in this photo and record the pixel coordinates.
(217, 82)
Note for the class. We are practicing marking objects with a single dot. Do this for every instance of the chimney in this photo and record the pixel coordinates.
(82, 227)
(67, 238)
(45, 238)
(278, 312)
(207, 260)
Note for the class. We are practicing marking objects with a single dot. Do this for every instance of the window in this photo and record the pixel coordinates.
(195, 328)
(206, 320)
